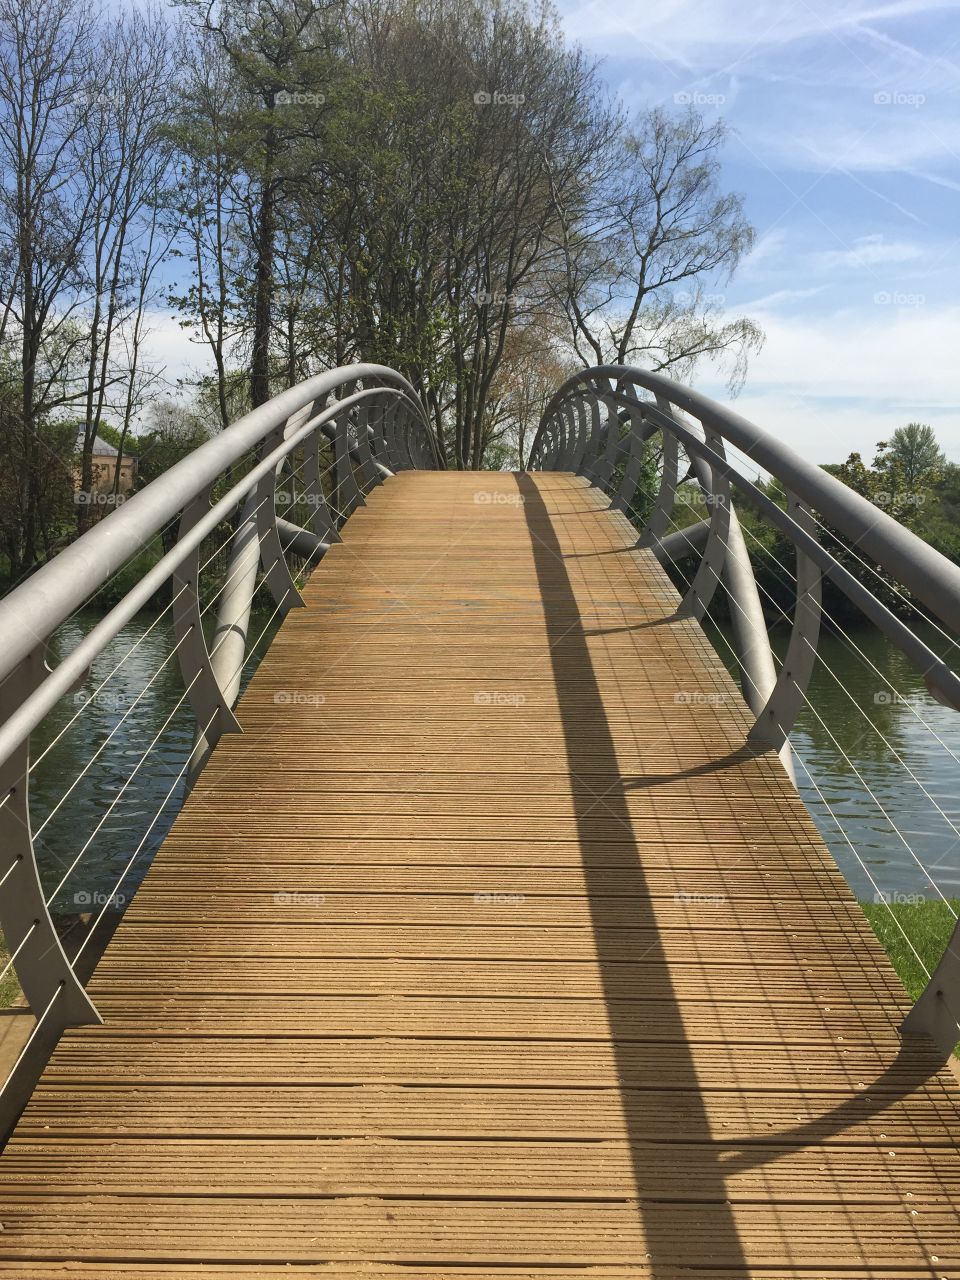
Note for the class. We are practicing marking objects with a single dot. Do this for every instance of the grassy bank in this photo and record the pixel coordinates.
(928, 925)
(9, 987)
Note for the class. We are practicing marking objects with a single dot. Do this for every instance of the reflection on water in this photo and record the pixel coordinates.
(118, 810)
(108, 777)
(857, 745)
(903, 828)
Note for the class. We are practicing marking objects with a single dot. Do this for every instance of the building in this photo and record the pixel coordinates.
(105, 461)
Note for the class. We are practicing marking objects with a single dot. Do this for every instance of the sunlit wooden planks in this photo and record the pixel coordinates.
(487, 951)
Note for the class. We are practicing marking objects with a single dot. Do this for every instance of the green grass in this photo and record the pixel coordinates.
(9, 987)
(928, 924)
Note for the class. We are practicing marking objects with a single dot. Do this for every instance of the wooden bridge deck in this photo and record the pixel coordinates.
(484, 952)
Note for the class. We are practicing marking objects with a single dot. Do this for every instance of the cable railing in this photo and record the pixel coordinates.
(257, 507)
(312, 452)
(604, 424)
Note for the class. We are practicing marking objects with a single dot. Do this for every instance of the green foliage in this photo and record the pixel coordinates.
(901, 481)
(37, 512)
(939, 519)
(132, 572)
(928, 924)
(9, 986)
(172, 433)
(916, 455)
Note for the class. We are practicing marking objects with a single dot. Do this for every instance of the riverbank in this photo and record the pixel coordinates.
(927, 923)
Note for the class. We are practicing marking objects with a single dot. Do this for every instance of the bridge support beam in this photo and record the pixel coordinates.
(50, 986)
(937, 1011)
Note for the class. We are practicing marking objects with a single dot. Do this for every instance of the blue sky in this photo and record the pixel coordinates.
(846, 145)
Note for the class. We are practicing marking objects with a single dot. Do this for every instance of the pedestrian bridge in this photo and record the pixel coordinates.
(493, 937)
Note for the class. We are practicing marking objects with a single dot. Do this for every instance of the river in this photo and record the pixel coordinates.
(891, 833)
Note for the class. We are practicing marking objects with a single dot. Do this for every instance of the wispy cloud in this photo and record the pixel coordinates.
(780, 298)
(871, 251)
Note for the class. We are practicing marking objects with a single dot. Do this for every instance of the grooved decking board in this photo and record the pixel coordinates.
(487, 951)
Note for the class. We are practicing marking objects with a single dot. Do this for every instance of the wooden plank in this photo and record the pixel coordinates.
(90, 1108)
(486, 950)
(500, 1233)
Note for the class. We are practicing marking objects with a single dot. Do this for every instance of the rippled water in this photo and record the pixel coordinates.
(856, 756)
(884, 769)
(879, 769)
(107, 778)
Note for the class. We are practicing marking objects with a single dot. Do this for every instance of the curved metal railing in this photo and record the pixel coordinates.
(603, 422)
(318, 447)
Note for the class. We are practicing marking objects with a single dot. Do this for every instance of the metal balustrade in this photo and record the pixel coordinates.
(599, 424)
(321, 447)
(365, 422)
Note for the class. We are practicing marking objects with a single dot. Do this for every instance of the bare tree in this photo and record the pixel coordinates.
(126, 157)
(209, 210)
(47, 59)
(642, 247)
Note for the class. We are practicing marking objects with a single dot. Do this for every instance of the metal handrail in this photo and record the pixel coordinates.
(37, 607)
(573, 436)
(372, 422)
(929, 576)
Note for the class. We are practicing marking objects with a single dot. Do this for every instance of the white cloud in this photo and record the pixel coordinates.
(871, 251)
(833, 383)
(169, 346)
(769, 247)
(779, 297)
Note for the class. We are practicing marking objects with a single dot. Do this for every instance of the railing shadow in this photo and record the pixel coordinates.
(665, 1226)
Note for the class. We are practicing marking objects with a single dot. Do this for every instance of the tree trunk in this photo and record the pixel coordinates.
(263, 293)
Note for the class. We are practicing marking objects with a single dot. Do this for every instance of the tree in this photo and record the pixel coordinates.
(42, 453)
(172, 431)
(276, 51)
(209, 211)
(884, 484)
(534, 365)
(125, 166)
(47, 59)
(915, 451)
(82, 105)
(642, 242)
